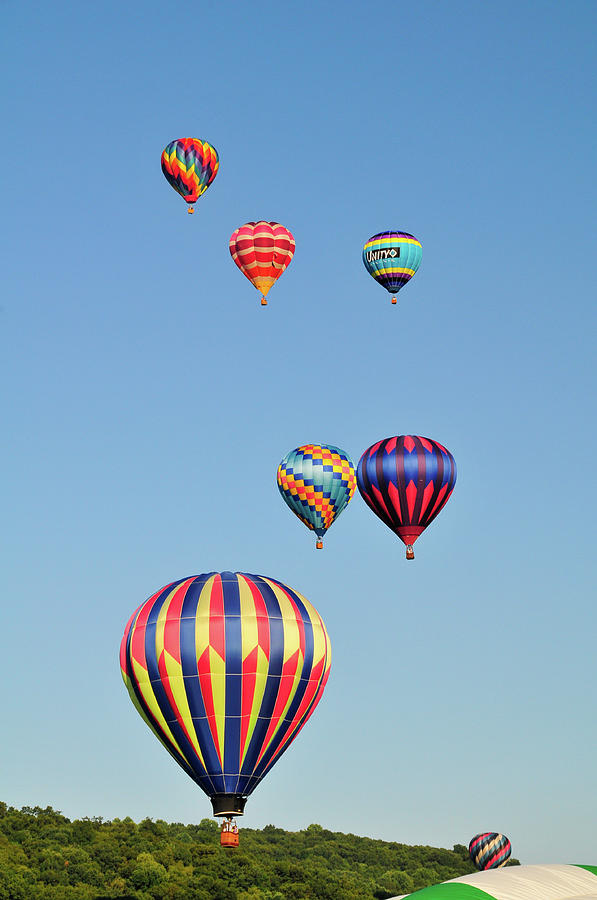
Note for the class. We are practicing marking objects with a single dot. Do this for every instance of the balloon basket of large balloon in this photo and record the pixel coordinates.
(191, 210)
(410, 553)
(319, 545)
(229, 834)
(394, 301)
(263, 301)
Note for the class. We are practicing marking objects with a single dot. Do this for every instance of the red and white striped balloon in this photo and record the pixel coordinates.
(262, 251)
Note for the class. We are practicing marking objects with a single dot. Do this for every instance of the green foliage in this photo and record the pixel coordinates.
(44, 856)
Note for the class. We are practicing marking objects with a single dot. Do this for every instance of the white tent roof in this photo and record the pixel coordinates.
(549, 882)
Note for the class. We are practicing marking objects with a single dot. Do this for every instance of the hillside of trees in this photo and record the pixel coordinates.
(45, 856)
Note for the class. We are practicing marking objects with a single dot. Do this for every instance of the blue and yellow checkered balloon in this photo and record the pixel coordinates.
(317, 481)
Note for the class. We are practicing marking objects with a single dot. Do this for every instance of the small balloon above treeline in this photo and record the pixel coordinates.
(489, 850)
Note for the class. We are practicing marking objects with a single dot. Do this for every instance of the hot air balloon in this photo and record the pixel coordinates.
(225, 668)
(190, 165)
(317, 481)
(489, 850)
(262, 251)
(392, 258)
(406, 481)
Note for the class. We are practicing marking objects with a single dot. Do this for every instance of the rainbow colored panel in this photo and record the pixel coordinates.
(317, 482)
(392, 258)
(190, 165)
(225, 668)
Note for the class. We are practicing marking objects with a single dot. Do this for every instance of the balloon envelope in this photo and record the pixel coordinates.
(489, 850)
(262, 251)
(406, 480)
(392, 258)
(225, 668)
(317, 482)
(190, 165)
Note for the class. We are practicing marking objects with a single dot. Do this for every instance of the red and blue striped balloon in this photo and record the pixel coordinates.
(406, 480)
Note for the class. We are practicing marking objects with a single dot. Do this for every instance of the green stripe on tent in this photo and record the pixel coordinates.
(455, 890)
(592, 869)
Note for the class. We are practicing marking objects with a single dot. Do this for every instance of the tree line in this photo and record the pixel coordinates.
(46, 856)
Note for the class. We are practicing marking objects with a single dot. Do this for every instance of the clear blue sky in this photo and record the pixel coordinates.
(148, 398)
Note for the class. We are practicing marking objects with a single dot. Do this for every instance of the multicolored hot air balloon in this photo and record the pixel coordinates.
(226, 668)
(406, 481)
(317, 481)
(262, 251)
(489, 850)
(190, 165)
(392, 258)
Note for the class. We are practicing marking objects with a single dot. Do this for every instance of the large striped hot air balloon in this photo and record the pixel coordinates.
(190, 165)
(226, 668)
(262, 251)
(317, 481)
(406, 480)
(489, 850)
(392, 258)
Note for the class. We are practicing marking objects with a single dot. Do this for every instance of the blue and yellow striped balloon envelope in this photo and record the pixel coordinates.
(392, 258)
(226, 668)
